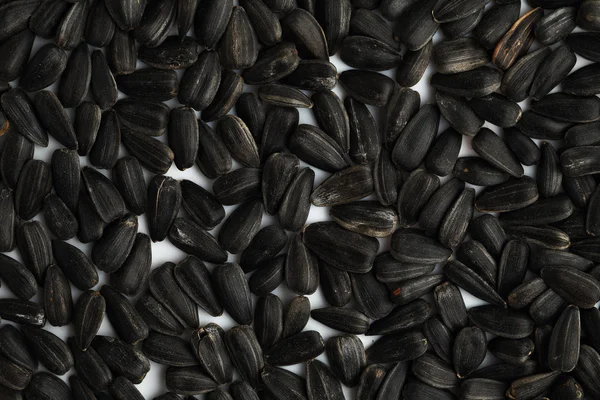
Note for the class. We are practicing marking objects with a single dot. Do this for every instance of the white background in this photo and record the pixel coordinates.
(164, 251)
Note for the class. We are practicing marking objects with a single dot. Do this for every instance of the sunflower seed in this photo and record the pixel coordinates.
(318, 149)
(583, 82)
(295, 349)
(211, 20)
(164, 199)
(104, 86)
(87, 318)
(409, 290)
(233, 293)
(556, 25)
(371, 380)
(336, 285)
(416, 26)
(363, 52)
(464, 26)
(583, 135)
(149, 83)
(503, 322)
(368, 23)
(497, 110)
(563, 351)
(278, 172)
(76, 78)
(569, 108)
(295, 203)
(35, 182)
(45, 385)
(544, 309)
(284, 96)
(167, 350)
(469, 280)
(458, 55)
(475, 256)
(401, 318)
(46, 18)
(586, 16)
(412, 246)
(7, 213)
(371, 296)
(75, 265)
(505, 372)
(524, 294)
(165, 290)
(128, 324)
(267, 243)
(537, 126)
(189, 381)
(346, 356)
(144, 116)
(301, 268)
(366, 217)
(280, 123)
(17, 151)
(154, 155)
(574, 226)
(44, 68)
(52, 352)
(364, 140)
(196, 281)
(129, 180)
(20, 111)
(122, 358)
(240, 227)
(478, 82)
(130, 278)
(525, 149)
(459, 114)
(111, 250)
(227, 94)
(435, 372)
(273, 63)
(15, 349)
(553, 70)
(544, 211)
(495, 23)
(453, 227)
(238, 47)
(511, 351)
(158, 317)
(402, 106)
(532, 386)
(321, 382)
(245, 352)
(477, 171)
(300, 27)
(342, 319)
(296, 316)
(367, 87)
(283, 384)
(90, 224)
(100, 26)
(385, 179)
(345, 186)
(241, 390)
(58, 303)
(268, 320)
(586, 371)
(54, 118)
(516, 39)
(315, 75)
(15, 17)
(439, 337)
(201, 81)
(265, 22)
(156, 23)
(193, 239)
(417, 389)
(413, 65)
(87, 122)
(468, 350)
(576, 287)
(105, 151)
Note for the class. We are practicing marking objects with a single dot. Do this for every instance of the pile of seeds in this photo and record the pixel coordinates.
(524, 246)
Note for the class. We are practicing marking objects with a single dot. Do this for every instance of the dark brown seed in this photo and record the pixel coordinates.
(165, 289)
(295, 204)
(21, 113)
(525, 149)
(90, 367)
(368, 23)
(583, 135)
(495, 23)
(301, 268)
(66, 177)
(412, 246)
(346, 356)
(367, 87)
(336, 285)
(532, 386)
(576, 287)
(402, 106)
(586, 370)
(342, 319)
(334, 17)
(451, 305)
(439, 337)
(111, 250)
(537, 126)
(503, 322)
(413, 65)
(240, 227)
(158, 317)
(580, 161)
(512, 266)
(189, 381)
(123, 389)
(46, 17)
(401, 318)
(416, 26)
(7, 214)
(232, 290)
(268, 276)
(364, 140)
(283, 384)
(156, 23)
(542, 235)
(86, 125)
(238, 139)
(200, 82)
(153, 154)
(366, 217)
(149, 83)
(268, 320)
(417, 389)
(466, 278)
(122, 358)
(245, 352)
(345, 186)
(35, 182)
(552, 71)
(75, 81)
(44, 68)
(315, 75)
(511, 351)
(371, 380)
(17, 151)
(75, 265)
(145, 116)
(281, 122)
(87, 318)
(296, 316)
(167, 350)
(104, 86)
(385, 179)
(15, 350)
(284, 96)
(105, 151)
(267, 243)
(583, 82)
(47, 386)
(477, 171)
(545, 257)
(364, 52)
(516, 39)
(478, 82)
(443, 152)
(563, 351)
(229, 90)
(79, 388)
(468, 350)
(435, 372)
(295, 349)
(58, 303)
(173, 53)
(265, 22)
(132, 276)
(497, 110)
(100, 26)
(474, 255)
(545, 309)
(22, 312)
(278, 172)
(54, 118)
(252, 111)
(33, 242)
(211, 21)
(341, 248)
(196, 281)
(193, 239)
(371, 296)
(459, 114)
(69, 32)
(489, 146)
(302, 28)
(15, 17)
(318, 149)
(126, 321)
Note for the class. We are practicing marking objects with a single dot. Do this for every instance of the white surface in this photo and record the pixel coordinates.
(153, 384)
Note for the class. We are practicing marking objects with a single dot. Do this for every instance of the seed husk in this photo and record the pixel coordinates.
(295, 204)
(265, 22)
(15, 17)
(371, 380)
(345, 186)
(468, 350)
(516, 39)
(321, 382)
(44, 68)
(149, 83)
(576, 287)
(545, 309)
(53, 353)
(129, 179)
(401, 318)
(173, 53)
(133, 274)
(17, 151)
(166, 291)
(45, 385)
(416, 26)
(346, 356)
(385, 179)
(449, 11)
(158, 317)
(126, 321)
(211, 20)
(542, 235)
(268, 320)
(503, 322)
(46, 18)
(371, 295)
(278, 172)
(87, 122)
(315, 75)
(412, 246)
(111, 250)
(474, 255)
(580, 161)
(104, 195)
(365, 22)
(252, 111)
(569, 108)
(232, 290)
(366, 217)
(240, 227)
(87, 318)
(435, 372)
(301, 268)
(367, 87)
(563, 351)
(193, 239)
(583, 135)
(267, 243)
(238, 47)
(238, 139)
(164, 200)
(466, 278)
(537, 126)
(20, 111)
(453, 227)
(459, 55)
(553, 70)
(284, 96)
(495, 23)
(524, 294)
(583, 82)
(439, 337)
(54, 118)
(201, 81)
(76, 78)
(574, 226)
(402, 106)
(477, 171)
(90, 367)
(196, 281)
(478, 82)
(280, 123)
(363, 52)
(451, 306)
(75, 265)
(227, 94)
(336, 285)
(145, 116)
(105, 151)
(417, 389)
(464, 26)
(104, 86)
(189, 381)
(417, 193)
(35, 182)
(156, 23)
(246, 353)
(272, 64)
(58, 304)
(342, 319)
(122, 358)
(409, 290)
(153, 154)
(497, 110)
(100, 26)
(544, 211)
(489, 146)
(213, 158)
(209, 347)
(7, 213)
(505, 372)
(167, 350)
(518, 79)
(511, 351)
(556, 25)
(532, 386)
(296, 316)
(300, 27)
(15, 349)
(33, 242)
(525, 149)
(459, 114)
(283, 384)
(413, 65)
(512, 266)
(586, 370)
(364, 139)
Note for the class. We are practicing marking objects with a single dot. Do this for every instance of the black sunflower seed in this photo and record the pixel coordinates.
(193, 239)
(544, 211)
(265, 22)
(517, 39)
(416, 26)
(111, 250)
(201, 81)
(295, 349)
(345, 186)
(318, 149)
(466, 278)
(495, 23)
(409, 290)
(580, 161)
(453, 227)
(164, 200)
(459, 55)
(47, 385)
(20, 111)
(497, 110)
(401, 318)
(301, 268)
(209, 347)
(477, 171)
(278, 172)
(439, 337)
(505, 372)
(241, 390)
(363, 52)
(196, 281)
(149, 83)
(284, 96)
(582, 135)
(524, 294)
(556, 25)
(503, 322)
(371, 296)
(156, 23)
(385, 179)
(336, 285)
(189, 381)
(7, 213)
(577, 287)
(104, 86)
(132, 275)
(280, 123)
(100, 26)
(368, 23)
(227, 94)
(464, 26)
(342, 319)
(371, 380)
(315, 75)
(15, 17)
(211, 21)
(478, 82)
(240, 227)
(512, 266)
(451, 306)
(296, 316)
(435, 372)
(525, 149)
(268, 320)
(551, 71)
(58, 302)
(346, 356)
(86, 124)
(35, 182)
(15, 350)
(295, 204)
(122, 358)
(153, 154)
(46, 17)
(364, 141)
(75, 81)
(105, 151)
(129, 179)
(417, 389)
(300, 27)
(33, 242)
(87, 318)
(245, 352)
(145, 116)
(90, 367)
(468, 350)
(167, 350)
(545, 309)
(366, 217)
(17, 151)
(412, 246)
(546, 257)
(532, 386)
(490, 147)
(75, 265)
(173, 53)
(267, 243)
(44, 68)
(126, 321)
(283, 384)
(413, 66)
(367, 87)
(583, 82)
(158, 317)
(563, 350)
(273, 63)
(321, 382)
(402, 106)
(52, 352)
(22, 312)
(238, 47)
(475, 256)
(232, 290)
(54, 118)
(569, 108)
(537, 126)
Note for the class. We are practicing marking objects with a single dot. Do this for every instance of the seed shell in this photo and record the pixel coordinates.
(474, 255)
(20, 111)
(385, 179)
(345, 186)
(211, 20)
(193, 239)
(167, 350)
(174, 53)
(268, 276)
(245, 353)
(315, 75)
(100, 26)
(452, 308)
(232, 290)
(371, 296)
(516, 39)
(416, 26)
(189, 381)
(577, 287)
(401, 318)
(413, 65)
(76, 266)
(466, 278)
(300, 27)
(87, 122)
(200, 82)
(478, 82)
(17, 151)
(75, 80)
(468, 350)
(503, 322)
(336, 285)
(439, 337)
(264, 21)
(367, 87)
(495, 23)
(44, 68)
(158, 317)
(104, 86)
(412, 246)
(227, 94)
(553, 70)
(268, 320)
(283, 384)
(321, 382)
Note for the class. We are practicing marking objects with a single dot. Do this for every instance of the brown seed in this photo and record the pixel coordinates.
(516, 39)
